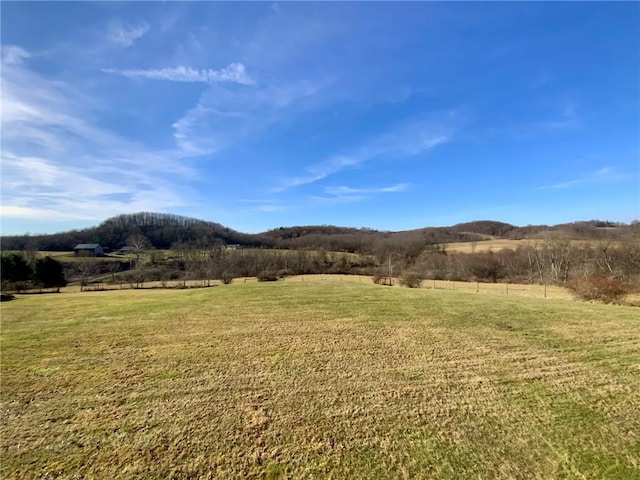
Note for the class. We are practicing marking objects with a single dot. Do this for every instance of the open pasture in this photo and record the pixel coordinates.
(317, 379)
(70, 257)
(486, 245)
(498, 244)
(534, 291)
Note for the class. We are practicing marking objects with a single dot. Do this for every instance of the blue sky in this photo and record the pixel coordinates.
(258, 115)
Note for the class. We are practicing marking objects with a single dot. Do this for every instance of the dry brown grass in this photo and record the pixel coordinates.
(321, 378)
(499, 244)
(485, 245)
(551, 292)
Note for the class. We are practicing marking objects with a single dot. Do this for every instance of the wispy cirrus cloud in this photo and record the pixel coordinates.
(319, 171)
(58, 163)
(412, 137)
(333, 194)
(566, 118)
(13, 54)
(261, 205)
(232, 108)
(227, 113)
(124, 35)
(38, 188)
(234, 73)
(343, 190)
(345, 193)
(603, 175)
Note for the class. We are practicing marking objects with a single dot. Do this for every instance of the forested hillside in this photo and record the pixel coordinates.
(165, 231)
(162, 230)
(543, 254)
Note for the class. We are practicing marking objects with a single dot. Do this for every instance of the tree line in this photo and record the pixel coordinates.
(554, 259)
(182, 248)
(191, 261)
(165, 230)
(161, 229)
(21, 272)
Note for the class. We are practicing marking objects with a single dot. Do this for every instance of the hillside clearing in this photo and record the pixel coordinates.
(317, 379)
(498, 244)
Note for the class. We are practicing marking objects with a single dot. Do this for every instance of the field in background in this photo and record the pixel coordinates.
(500, 243)
(321, 378)
(485, 245)
(550, 292)
(70, 257)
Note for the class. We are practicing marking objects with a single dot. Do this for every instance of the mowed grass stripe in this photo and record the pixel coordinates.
(317, 379)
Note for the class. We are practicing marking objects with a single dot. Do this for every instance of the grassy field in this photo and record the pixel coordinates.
(500, 244)
(486, 245)
(534, 291)
(70, 257)
(317, 379)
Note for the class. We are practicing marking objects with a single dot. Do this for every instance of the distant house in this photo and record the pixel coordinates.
(125, 250)
(234, 246)
(88, 250)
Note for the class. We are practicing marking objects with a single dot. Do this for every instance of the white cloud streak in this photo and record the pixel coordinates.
(125, 35)
(343, 190)
(604, 175)
(234, 73)
(350, 194)
(13, 55)
(413, 137)
(262, 205)
(226, 114)
(59, 164)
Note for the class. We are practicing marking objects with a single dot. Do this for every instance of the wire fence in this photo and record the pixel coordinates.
(552, 292)
(535, 291)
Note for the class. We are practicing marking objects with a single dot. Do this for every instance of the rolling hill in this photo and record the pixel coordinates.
(167, 230)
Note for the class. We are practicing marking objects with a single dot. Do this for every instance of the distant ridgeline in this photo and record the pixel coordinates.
(165, 231)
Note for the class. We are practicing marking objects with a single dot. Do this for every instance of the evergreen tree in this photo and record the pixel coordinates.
(49, 273)
(16, 272)
(15, 268)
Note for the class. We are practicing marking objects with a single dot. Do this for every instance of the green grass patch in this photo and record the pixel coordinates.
(317, 379)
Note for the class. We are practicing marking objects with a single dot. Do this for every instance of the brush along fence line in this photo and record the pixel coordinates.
(551, 292)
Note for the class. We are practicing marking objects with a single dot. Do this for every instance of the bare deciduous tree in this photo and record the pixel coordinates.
(138, 243)
(86, 267)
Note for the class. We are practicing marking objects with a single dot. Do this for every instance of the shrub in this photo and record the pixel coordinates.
(411, 279)
(226, 278)
(136, 277)
(380, 279)
(283, 273)
(154, 274)
(267, 276)
(599, 289)
(21, 286)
